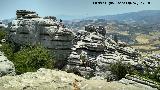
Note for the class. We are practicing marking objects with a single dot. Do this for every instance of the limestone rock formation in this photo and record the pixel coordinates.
(89, 53)
(94, 52)
(139, 81)
(151, 62)
(30, 29)
(6, 66)
(46, 79)
(26, 14)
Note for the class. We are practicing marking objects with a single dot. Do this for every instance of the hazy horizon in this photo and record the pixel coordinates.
(72, 8)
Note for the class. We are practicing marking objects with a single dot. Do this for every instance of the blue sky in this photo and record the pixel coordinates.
(76, 8)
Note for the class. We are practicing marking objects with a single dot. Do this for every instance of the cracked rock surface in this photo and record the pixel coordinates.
(46, 79)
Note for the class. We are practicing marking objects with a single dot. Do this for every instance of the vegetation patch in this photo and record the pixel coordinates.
(26, 58)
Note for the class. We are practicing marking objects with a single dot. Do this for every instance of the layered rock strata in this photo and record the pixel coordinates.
(29, 29)
(89, 53)
(94, 52)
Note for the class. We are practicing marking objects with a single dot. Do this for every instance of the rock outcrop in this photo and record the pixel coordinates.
(29, 29)
(46, 79)
(89, 53)
(6, 66)
(26, 14)
(94, 52)
(134, 79)
(151, 63)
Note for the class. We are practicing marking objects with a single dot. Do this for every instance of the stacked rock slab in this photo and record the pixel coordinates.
(29, 29)
(93, 53)
(26, 14)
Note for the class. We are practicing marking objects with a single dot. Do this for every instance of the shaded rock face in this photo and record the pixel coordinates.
(30, 29)
(6, 66)
(46, 79)
(93, 53)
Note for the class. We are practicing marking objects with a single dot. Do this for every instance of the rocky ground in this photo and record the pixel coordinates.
(46, 79)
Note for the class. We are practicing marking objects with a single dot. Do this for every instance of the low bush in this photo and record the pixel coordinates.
(2, 33)
(28, 58)
(120, 70)
(31, 58)
(7, 49)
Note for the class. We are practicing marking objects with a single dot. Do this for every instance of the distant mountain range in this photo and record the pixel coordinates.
(146, 16)
(143, 17)
(6, 21)
(127, 26)
(69, 17)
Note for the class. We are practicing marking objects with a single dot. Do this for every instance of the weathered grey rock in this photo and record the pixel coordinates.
(140, 82)
(31, 29)
(156, 56)
(26, 14)
(101, 30)
(151, 63)
(6, 66)
(89, 55)
(94, 50)
(46, 79)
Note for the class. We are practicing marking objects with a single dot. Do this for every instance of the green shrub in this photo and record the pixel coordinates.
(120, 70)
(8, 50)
(2, 33)
(29, 59)
(155, 76)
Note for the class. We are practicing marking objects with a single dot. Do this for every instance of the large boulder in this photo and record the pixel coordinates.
(6, 66)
